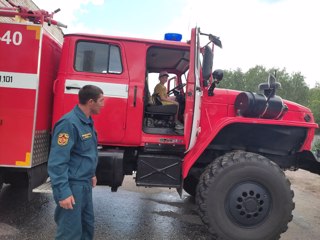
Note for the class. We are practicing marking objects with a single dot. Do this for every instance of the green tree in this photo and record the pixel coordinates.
(314, 102)
(293, 87)
(255, 76)
(233, 80)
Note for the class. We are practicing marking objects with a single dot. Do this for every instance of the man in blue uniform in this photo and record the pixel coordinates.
(72, 164)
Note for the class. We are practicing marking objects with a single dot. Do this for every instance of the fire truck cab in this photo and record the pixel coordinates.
(134, 129)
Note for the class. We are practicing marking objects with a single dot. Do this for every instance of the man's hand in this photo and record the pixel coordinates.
(67, 203)
(94, 181)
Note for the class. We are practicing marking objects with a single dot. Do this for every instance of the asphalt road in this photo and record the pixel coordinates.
(140, 213)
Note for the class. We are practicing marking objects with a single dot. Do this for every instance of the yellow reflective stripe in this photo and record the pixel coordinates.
(27, 161)
(35, 28)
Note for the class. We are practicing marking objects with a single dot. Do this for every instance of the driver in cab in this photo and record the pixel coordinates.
(161, 90)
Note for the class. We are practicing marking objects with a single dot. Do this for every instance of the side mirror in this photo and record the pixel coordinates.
(217, 76)
(207, 64)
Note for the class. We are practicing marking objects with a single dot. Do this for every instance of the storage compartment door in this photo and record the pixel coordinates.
(19, 58)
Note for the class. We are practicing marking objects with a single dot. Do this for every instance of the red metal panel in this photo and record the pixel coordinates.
(19, 47)
(50, 57)
(16, 124)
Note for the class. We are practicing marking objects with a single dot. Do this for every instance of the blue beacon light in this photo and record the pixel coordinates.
(173, 37)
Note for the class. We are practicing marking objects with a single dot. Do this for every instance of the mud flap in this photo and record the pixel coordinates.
(309, 161)
(180, 190)
(36, 176)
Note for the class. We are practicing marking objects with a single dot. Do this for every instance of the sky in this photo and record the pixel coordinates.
(283, 34)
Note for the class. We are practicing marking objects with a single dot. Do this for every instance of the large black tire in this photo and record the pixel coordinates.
(190, 185)
(244, 196)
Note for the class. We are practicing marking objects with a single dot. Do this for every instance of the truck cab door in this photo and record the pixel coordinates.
(99, 62)
(193, 93)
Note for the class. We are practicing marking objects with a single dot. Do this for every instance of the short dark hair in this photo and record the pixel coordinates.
(88, 92)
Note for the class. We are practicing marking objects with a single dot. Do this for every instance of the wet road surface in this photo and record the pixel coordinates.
(146, 213)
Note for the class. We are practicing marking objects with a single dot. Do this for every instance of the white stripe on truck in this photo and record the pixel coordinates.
(19, 80)
(115, 90)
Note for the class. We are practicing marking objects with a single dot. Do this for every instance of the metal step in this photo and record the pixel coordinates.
(44, 188)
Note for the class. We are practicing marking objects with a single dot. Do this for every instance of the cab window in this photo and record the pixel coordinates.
(97, 58)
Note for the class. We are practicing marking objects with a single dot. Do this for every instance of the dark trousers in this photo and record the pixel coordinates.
(76, 223)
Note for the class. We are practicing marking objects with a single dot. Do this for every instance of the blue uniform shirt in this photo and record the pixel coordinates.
(73, 155)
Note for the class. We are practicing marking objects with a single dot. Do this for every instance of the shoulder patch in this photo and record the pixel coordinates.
(63, 139)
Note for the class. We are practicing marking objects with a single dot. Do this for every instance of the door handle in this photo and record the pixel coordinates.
(72, 87)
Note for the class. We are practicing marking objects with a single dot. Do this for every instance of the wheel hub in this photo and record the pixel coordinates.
(248, 203)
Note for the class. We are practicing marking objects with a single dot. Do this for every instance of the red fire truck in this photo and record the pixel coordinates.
(230, 155)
